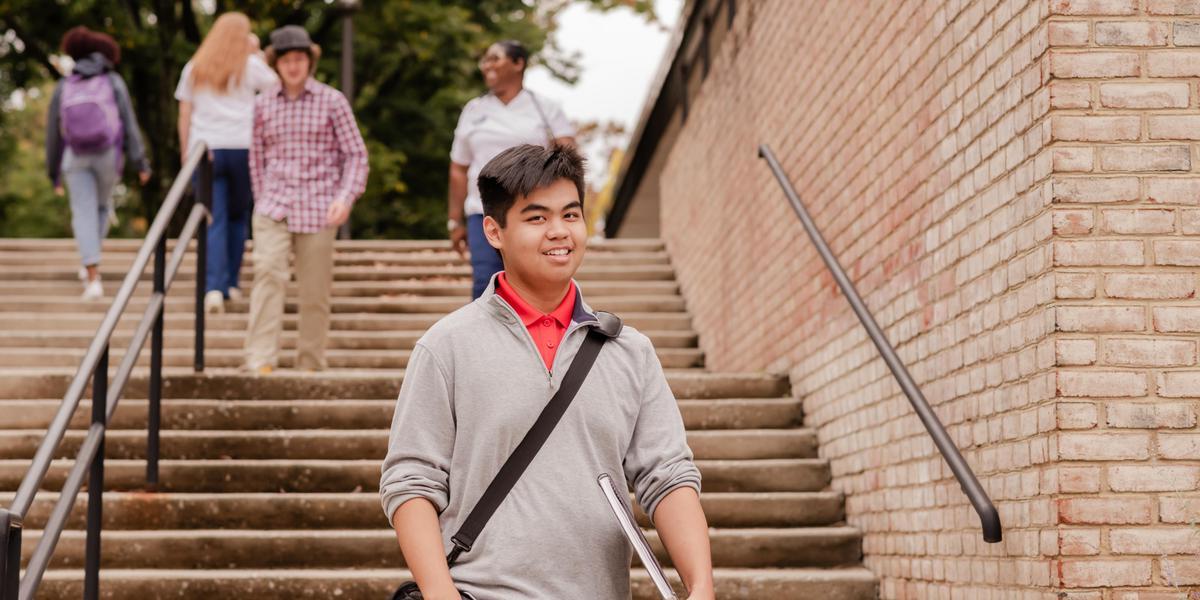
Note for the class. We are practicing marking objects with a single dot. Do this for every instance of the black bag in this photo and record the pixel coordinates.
(512, 469)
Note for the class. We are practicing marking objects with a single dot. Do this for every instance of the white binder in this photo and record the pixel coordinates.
(618, 501)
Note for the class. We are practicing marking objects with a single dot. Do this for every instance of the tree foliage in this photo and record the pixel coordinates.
(414, 68)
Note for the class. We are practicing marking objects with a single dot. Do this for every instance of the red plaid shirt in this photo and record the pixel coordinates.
(305, 154)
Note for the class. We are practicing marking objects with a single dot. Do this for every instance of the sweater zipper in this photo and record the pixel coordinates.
(532, 344)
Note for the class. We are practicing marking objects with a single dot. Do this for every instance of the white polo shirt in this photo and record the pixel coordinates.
(488, 127)
(225, 120)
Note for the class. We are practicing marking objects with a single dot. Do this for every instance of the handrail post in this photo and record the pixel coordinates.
(95, 507)
(154, 398)
(10, 554)
(203, 196)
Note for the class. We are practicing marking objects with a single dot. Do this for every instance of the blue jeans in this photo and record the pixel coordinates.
(231, 206)
(485, 260)
(90, 179)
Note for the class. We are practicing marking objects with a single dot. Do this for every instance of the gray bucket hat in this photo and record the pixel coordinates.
(290, 37)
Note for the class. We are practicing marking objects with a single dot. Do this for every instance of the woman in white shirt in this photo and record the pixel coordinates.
(508, 115)
(216, 105)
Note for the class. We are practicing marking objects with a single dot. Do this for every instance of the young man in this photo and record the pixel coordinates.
(479, 378)
(308, 164)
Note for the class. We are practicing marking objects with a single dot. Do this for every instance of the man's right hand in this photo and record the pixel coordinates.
(458, 240)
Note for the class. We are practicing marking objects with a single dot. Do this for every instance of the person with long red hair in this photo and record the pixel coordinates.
(216, 106)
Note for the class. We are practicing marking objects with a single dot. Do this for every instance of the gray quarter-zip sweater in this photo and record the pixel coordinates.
(474, 385)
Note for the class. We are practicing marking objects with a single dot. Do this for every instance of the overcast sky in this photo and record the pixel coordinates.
(620, 53)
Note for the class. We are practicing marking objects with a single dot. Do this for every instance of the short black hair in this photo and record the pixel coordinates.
(515, 51)
(520, 170)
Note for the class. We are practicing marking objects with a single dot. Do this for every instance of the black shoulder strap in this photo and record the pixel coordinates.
(515, 466)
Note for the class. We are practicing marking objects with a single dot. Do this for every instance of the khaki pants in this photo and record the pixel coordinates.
(314, 276)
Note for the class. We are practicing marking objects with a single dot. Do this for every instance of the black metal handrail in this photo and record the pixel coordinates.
(962, 471)
(105, 395)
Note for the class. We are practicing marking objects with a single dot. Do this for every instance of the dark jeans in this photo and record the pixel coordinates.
(231, 205)
(485, 260)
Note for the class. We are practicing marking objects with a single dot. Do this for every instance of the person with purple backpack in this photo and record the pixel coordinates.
(89, 130)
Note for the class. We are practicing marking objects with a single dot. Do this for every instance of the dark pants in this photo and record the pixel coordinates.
(231, 205)
(485, 260)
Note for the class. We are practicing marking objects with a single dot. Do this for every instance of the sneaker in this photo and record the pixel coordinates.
(235, 294)
(93, 290)
(214, 302)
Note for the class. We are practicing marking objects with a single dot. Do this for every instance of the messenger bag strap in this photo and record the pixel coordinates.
(504, 481)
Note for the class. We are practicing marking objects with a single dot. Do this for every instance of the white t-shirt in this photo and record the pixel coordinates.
(225, 119)
(488, 127)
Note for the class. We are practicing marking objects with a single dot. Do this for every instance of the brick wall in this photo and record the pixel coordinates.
(1010, 184)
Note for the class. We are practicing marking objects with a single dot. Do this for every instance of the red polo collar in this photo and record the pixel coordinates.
(530, 315)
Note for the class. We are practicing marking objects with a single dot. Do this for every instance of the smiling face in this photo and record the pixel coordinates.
(293, 68)
(544, 237)
(499, 69)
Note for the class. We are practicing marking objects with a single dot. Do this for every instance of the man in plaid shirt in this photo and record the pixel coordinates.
(308, 164)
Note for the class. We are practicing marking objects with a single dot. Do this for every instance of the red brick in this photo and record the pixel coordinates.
(1175, 509)
(1073, 222)
(1100, 319)
(1076, 353)
(1146, 158)
(1177, 252)
(1089, 253)
(1070, 94)
(1150, 286)
(1173, 63)
(1173, 190)
(1074, 286)
(1153, 414)
(1100, 384)
(1073, 159)
(1079, 542)
(1131, 33)
(1104, 573)
(1190, 222)
(1073, 65)
(1174, 127)
(1179, 384)
(1068, 33)
(1103, 446)
(1105, 511)
(1176, 478)
(1134, 222)
(1157, 541)
(1094, 128)
(1177, 319)
(1096, 189)
(1081, 480)
(1179, 446)
(1093, 7)
(1187, 33)
(1144, 95)
(1149, 352)
(1181, 571)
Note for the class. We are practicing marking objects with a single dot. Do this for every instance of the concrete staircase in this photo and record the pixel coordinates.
(269, 484)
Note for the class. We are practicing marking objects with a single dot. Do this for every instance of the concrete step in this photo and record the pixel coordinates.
(304, 476)
(131, 245)
(848, 583)
(141, 511)
(324, 444)
(737, 413)
(229, 384)
(414, 304)
(57, 259)
(377, 548)
(187, 271)
(339, 339)
(364, 322)
(455, 288)
(234, 357)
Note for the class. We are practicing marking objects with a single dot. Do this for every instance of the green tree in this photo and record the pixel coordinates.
(414, 70)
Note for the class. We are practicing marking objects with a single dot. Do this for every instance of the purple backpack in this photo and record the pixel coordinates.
(88, 113)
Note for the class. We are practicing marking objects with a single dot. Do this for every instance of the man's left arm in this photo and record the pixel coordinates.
(353, 151)
(666, 481)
